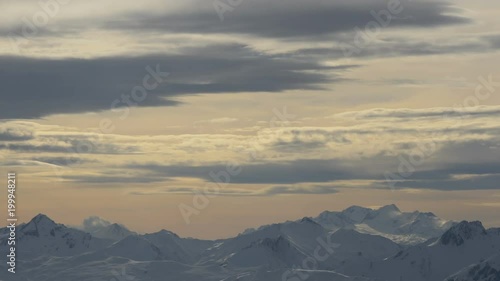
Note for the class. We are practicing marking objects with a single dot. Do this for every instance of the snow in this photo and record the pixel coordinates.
(488, 270)
(387, 221)
(460, 246)
(357, 244)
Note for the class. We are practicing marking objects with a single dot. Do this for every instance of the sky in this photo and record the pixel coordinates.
(209, 117)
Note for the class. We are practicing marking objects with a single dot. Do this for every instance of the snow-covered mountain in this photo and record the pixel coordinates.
(462, 245)
(351, 245)
(272, 253)
(488, 270)
(101, 228)
(280, 245)
(42, 236)
(186, 250)
(388, 221)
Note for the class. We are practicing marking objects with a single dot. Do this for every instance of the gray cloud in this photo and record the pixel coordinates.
(291, 18)
(294, 189)
(15, 133)
(474, 183)
(436, 112)
(63, 161)
(267, 191)
(75, 145)
(119, 179)
(459, 165)
(298, 171)
(38, 87)
(94, 223)
(394, 47)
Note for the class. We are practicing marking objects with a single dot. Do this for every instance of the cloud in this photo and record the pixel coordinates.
(16, 132)
(409, 113)
(20, 137)
(290, 159)
(260, 18)
(75, 146)
(44, 86)
(289, 19)
(222, 120)
(267, 191)
(401, 46)
(486, 182)
(93, 223)
(452, 165)
(63, 161)
(292, 172)
(123, 178)
(299, 189)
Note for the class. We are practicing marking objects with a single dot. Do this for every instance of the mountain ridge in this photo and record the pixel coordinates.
(310, 246)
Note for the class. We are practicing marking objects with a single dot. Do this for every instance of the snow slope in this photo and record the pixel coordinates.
(463, 244)
(488, 270)
(404, 228)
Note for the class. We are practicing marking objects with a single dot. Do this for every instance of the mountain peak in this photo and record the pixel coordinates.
(356, 214)
(39, 225)
(355, 207)
(389, 208)
(42, 218)
(459, 233)
(169, 233)
(40, 221)
(308, 220)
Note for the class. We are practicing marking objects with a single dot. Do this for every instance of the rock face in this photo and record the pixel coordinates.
(458, 234)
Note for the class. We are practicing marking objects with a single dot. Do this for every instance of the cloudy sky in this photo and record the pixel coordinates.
(209, 117)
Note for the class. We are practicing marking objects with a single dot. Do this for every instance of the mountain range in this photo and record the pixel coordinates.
(354, 244)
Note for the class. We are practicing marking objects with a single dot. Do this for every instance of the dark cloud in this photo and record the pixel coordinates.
(63, 161)
(268, 191)
(119, 179)
(394, 47)
(16, 133)
(293, 189)
(293, 172)
(38, 87)
(34, 148)
(437, 112)
(460, 165)
(292, 18)
(472, 183)
(73, 146)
